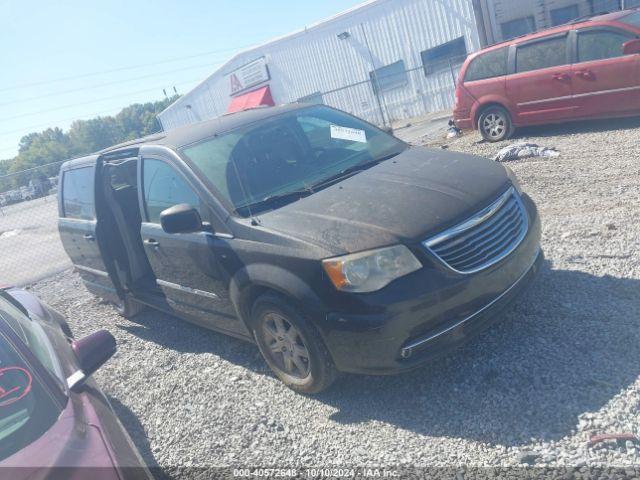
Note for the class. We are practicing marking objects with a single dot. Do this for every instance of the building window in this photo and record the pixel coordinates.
(632, 19)
(563, 15)
(599, 6)
(518, 27)
(389, 77)
(444, 55)
(313, 98)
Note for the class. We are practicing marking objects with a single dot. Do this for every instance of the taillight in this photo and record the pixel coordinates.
(458, 95)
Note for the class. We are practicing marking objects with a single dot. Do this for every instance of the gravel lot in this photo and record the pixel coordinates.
(562, 365)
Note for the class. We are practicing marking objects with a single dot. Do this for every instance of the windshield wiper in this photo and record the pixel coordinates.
(351, 170)
(274, 199)
(305, 192)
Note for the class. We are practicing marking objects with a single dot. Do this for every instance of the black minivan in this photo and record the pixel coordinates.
(328, 242)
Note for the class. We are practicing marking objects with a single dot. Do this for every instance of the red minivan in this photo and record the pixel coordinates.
(585, 69)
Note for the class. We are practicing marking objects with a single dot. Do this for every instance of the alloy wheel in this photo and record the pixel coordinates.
(285, 346)
(495, 125)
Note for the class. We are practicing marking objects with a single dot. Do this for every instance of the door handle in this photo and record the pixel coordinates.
(89, 237)
(561, 77)
(151, 242)
(584, 73)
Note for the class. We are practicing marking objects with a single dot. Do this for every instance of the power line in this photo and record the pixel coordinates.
(80, 117)
(194, 67)
(13, 174)
(108, 84)
(120, 69)
(90, 102)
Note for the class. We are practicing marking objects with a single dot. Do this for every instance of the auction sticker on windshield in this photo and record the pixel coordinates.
(346, 133)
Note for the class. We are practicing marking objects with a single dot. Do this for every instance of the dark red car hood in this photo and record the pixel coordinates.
(70, 446)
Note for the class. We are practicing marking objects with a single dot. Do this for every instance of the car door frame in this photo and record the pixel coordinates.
(573, 39)
(533, 116)
(175, 293)
(97, 280)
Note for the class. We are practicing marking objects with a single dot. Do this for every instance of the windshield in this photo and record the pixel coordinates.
(27, 410)
(293, 152)
(33, 336)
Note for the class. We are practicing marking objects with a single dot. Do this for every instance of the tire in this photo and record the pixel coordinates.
(129, 308)
(272, 320)
(495, 124)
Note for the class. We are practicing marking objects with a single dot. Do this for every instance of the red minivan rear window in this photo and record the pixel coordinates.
(488, 65)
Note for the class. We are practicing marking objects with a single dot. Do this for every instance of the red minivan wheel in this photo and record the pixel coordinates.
(495, 124)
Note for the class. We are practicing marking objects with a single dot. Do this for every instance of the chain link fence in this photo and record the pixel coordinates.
(392, 98)
(29, 240)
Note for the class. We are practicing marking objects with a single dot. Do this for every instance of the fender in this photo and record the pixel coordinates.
(486, 100)
(263, 275)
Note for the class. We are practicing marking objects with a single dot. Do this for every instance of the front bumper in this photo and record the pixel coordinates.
(430, 312)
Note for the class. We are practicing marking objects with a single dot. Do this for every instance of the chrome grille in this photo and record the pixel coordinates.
(484, 239)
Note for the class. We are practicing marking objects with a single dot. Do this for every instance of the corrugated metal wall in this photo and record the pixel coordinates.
(316, 60)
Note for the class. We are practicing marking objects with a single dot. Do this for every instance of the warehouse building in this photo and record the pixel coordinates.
(505, 19)
(384, 60)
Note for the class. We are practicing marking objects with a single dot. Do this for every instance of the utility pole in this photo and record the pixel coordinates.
(376, 84)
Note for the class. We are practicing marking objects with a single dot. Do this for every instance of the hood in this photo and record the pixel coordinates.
(402, 200)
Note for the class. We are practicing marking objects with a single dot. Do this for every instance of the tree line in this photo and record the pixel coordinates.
(82, 138)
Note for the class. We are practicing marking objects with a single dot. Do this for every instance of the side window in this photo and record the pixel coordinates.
(600, 44)
(562, 15)
(164, 187)
(518, 27)
(488, 65)
(543, 54)
(444, 56)
(389, 77)
(77, 193)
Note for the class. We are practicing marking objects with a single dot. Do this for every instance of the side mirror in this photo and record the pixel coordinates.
(181, 218)
(92, 352)
(631, 47)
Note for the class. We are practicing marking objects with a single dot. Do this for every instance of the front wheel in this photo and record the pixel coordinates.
(495, 124)
(127, 307)
(291, 346)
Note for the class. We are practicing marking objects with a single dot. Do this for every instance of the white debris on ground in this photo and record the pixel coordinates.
(453, 131)
(10, 233)
(522, 150)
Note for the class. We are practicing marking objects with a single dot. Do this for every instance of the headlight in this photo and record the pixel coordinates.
(370, 271)
(513, 178)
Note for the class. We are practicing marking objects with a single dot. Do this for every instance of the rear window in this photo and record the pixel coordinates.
(77, 193)
(487, 65)
(542, 54)
(27, 410)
